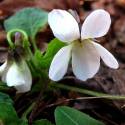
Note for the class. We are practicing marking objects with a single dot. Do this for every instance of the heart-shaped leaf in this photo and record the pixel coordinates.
(8, 114)
(31, 20)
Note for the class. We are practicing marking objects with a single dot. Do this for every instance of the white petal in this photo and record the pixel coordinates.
(96, 24)
(106, 56)
(19, 75)
(59, 64)
(85, 60)
(63, 25)
(3, 67)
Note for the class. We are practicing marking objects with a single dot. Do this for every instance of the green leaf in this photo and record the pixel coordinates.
(8, 114)
(42, 122)
(3, 87)
(5, 98)
(53, 47)
(31, 20)
(68, 116)
(23, 122)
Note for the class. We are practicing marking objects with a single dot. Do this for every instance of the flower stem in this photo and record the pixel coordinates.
(24, 116)
(34, 44)
(88, 92)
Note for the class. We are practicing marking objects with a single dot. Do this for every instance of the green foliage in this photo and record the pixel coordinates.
(53, 47)
(68, 116)
(42, 122)
(3, 87)
(31, 20)
(37, 122)
(43, 61)
(8, 114)
(23, 122)
(5, 98)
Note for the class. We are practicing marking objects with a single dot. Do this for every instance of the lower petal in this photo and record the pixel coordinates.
(106, 56)
(59, 64)
(85, 60)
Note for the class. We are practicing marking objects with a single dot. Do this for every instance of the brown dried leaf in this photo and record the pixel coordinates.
(8, 7)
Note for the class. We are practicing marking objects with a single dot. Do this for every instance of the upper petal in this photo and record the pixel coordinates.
(63, 25)
(85, 60)
(96, 24)
(19, 75)
(60, 63)
(106, 56)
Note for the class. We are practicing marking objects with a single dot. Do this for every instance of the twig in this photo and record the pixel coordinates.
(67, 100)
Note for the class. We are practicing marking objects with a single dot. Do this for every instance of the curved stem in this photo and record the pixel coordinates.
(24, 116)
(12, 32)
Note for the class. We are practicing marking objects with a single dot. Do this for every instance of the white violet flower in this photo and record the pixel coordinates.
(17, 75)
(81, 48)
